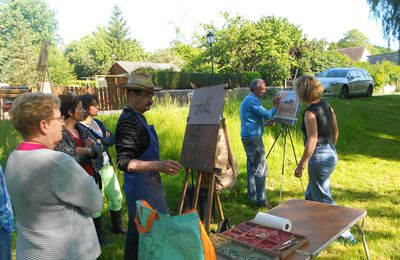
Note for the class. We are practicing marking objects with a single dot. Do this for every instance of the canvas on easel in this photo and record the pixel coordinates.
(289, 107)
(201, 135)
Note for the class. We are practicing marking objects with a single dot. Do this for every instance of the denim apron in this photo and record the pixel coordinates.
(145, 185)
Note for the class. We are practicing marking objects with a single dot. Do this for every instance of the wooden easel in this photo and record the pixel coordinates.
(207, 179)
(202, 179)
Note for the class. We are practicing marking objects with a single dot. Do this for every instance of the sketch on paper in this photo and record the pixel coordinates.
(207, 105)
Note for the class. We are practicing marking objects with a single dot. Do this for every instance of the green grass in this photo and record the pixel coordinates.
(367, 176)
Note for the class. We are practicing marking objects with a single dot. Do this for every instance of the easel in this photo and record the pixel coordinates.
(207, 180)
(199, 149)
(42, 66)
(211, 196)
(285, 131)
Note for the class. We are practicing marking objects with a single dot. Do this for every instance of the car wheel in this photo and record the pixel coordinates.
(344, 93)
(370, 90)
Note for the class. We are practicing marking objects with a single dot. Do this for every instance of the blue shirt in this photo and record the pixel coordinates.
(252, 116)
(6, 212)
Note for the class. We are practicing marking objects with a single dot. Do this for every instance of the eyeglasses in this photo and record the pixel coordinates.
(60, 118)
(149, 95)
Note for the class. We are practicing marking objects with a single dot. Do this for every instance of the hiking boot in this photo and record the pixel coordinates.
(116, 221)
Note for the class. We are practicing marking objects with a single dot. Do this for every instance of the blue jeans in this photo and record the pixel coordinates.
(320, 167)
(256, 169)
(5, 244)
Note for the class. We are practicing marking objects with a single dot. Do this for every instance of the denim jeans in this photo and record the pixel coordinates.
(5, 244)
(256, 169)
(320, 167)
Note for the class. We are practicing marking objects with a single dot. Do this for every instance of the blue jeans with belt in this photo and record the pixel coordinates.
(256, 169)
(320, 167)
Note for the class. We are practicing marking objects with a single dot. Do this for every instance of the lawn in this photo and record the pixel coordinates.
(367, 176)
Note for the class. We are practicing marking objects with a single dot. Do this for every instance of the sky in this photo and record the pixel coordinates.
(153, 22)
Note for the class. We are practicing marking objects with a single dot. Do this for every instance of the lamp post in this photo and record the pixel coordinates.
(210, 40)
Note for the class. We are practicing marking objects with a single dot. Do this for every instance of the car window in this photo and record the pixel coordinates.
(335, 73)
(360, 74)
(353, 74)
(366, 73)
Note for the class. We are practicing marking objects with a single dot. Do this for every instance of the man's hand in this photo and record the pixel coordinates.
(276, 101)
(169, 167)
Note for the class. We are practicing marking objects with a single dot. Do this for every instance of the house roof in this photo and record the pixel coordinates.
(392, 56)
(354, 53)
(130, 66)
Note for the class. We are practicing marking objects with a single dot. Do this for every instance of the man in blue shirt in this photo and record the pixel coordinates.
(6, 220)
(252, 116)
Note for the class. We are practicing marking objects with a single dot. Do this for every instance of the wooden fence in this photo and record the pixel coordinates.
(109, 98)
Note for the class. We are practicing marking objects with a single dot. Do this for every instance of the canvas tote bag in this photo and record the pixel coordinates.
(171, 237)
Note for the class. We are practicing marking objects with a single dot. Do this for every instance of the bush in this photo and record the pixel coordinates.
(182, 80)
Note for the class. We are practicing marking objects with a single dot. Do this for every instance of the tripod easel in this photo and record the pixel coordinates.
(285, 131)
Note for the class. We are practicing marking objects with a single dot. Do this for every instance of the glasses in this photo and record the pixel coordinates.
(60, 118)
(150, 95)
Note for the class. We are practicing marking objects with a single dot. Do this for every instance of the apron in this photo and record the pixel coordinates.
(145, 185)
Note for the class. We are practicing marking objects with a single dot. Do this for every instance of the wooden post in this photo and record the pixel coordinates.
(184, 189)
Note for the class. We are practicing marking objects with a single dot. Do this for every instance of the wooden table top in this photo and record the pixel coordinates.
(320, 223)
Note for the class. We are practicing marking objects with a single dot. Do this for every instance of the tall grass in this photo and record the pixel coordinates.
(366, 177)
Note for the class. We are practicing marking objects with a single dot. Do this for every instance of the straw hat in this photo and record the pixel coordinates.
(140, 81)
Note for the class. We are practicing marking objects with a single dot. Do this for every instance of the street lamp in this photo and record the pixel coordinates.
(210, 40)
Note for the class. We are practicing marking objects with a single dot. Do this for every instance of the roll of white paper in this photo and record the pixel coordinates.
(268, 220)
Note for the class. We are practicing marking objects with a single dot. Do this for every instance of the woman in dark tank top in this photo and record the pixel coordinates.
(320, 130)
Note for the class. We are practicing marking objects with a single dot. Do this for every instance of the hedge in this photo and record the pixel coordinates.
(182, 80)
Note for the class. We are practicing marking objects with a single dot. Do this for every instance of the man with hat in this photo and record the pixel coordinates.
(138, 155)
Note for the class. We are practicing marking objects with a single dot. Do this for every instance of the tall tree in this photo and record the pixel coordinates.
(389, 13)
(118, 39)
(19, 59)
(353, 38)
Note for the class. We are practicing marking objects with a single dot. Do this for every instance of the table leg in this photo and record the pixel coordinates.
(361, 229)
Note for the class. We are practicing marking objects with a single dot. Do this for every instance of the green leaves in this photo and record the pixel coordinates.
(94, 54)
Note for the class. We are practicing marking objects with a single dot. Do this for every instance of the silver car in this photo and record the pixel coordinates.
(345, 82)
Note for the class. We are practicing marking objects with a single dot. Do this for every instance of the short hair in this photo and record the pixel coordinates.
(255, 84)
(69, 102)
(29, 109)
(88, 100)
(308, 88)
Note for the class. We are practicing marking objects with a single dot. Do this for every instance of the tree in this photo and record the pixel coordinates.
(38, 16)
(389, 13)
(263, 46)
(26, 23)
(94, 54)
(122, 46)
(19, 59)
(166, 56)
(192, 56)
(312, 57)
(60, 70)
(353, 38)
